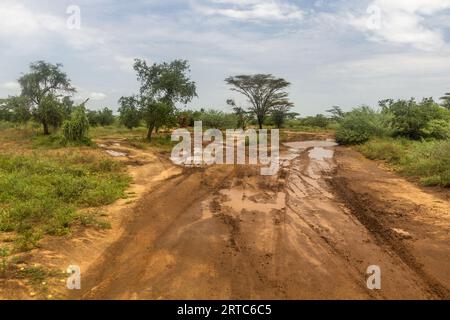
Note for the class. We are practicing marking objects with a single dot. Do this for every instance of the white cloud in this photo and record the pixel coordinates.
(11, 85)
(268, 10)
(97, 96)
(404, 65)
(20, 24)
(124, 63)
(403, 22)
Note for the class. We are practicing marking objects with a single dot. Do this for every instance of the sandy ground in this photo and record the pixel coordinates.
(226, 232)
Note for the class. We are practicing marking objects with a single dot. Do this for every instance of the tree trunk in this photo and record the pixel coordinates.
(46, 131)
(149, 132)
(260, 123)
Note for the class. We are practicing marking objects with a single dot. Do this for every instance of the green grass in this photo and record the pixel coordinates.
(427, 161)
(40, 193)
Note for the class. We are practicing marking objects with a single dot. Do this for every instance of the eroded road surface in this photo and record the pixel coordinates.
(226, 232)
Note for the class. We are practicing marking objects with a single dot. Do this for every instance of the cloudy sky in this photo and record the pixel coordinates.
(334, 52)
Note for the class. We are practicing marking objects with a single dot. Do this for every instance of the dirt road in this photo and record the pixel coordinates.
(226, 232)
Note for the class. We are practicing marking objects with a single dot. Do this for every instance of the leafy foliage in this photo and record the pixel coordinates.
(218, 119)
(162, 86)
(77, 127)
(130, 115)
(43, 85)
(49, 112)
(410, 118)
(102, 117)
(359, 125)
(263, 91)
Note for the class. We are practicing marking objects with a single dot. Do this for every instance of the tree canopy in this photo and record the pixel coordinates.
(162, 87)
(44, 85)
(264, 92)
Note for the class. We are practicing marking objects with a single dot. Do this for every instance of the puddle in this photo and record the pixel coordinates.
(319, 153)
(302, 145)
(245, 200)
(116, 154)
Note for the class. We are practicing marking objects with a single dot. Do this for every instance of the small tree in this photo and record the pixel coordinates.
(129, 116)
(336, 113)
(43, 86)
(50, 113)
(155, 114)
(243, 117)
(264, 91)
(280, 114)
(77, 127)
(106, 117)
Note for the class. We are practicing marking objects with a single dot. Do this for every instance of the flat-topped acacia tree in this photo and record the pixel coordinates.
(264, 91)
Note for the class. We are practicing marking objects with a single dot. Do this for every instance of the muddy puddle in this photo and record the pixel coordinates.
(307, 163)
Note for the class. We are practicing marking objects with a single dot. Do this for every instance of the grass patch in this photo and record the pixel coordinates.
(428, 161)
(41, 192)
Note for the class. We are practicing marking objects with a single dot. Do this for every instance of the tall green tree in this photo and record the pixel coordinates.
(264, 91)
(44, 85)
(162, 87)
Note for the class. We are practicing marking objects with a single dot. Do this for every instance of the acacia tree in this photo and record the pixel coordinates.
(162, 87)
(280, 112)
(243, 117)
(264, 92)
(43, 86)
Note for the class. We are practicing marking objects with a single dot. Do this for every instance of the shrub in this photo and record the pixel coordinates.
(411, 119)
(319, 121)
(359, 125)
(77, 127)
(217, 119)
(437, 129)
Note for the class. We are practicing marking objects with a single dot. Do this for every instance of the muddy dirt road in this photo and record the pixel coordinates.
(226, 232)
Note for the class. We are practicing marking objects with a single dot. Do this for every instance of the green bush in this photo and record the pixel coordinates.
(77, 127)
(436, 129)
(413, 120)
(362, 123)
(217, 119)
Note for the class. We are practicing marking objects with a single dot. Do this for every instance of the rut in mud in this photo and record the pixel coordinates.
(226, 232)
